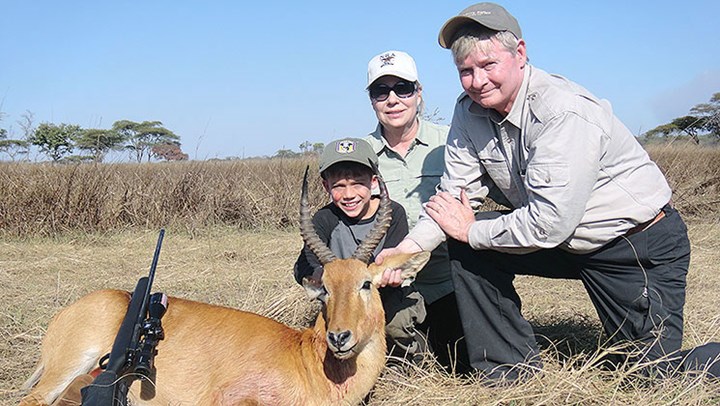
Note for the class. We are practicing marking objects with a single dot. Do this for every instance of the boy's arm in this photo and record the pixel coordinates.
(306, 265)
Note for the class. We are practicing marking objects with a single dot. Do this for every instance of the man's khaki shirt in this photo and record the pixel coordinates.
(572, 173)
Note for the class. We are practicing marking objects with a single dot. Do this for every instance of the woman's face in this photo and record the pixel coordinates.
(399, 109)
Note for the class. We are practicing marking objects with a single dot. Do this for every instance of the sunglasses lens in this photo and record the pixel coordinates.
(404, 89)
(380, 92)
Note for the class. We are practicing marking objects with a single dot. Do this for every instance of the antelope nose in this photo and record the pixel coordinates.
(340, 339)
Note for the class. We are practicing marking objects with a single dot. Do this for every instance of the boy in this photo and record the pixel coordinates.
(349, 178)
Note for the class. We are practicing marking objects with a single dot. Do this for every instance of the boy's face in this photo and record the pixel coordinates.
(351, 195)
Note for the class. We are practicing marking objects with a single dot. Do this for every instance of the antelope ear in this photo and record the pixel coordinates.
(314, 288)
(409, 265)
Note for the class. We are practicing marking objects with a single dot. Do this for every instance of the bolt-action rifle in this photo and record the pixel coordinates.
(133, 352)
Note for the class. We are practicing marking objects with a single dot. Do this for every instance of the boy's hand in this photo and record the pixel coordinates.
(393, 276)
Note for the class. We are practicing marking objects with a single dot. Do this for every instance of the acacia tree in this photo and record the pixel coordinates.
(12, 147)
(689, 125)
(141, 137)
(99, 142)
(703, 118)
(710, 113)
(55, 140)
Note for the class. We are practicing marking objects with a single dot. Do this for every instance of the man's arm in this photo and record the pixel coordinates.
(463, 172)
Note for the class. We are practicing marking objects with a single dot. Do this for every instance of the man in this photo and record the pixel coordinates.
(586, 203)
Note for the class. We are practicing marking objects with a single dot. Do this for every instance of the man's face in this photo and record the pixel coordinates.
(492, 80)
(352, 194)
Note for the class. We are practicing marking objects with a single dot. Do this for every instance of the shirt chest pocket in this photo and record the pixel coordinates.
(548, 175)
(497, 169)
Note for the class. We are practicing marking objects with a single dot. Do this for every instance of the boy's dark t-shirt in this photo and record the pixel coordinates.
(343, 234)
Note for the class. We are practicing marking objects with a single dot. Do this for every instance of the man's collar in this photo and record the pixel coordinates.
(515, 114)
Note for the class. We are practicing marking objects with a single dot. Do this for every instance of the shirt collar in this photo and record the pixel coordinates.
(378, 142)
(516, 112)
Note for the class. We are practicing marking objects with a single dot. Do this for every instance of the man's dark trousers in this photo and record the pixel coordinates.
(635, 282)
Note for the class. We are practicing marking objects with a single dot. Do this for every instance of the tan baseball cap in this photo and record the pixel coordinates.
(490, 15)
(348, 150)
(395, 63)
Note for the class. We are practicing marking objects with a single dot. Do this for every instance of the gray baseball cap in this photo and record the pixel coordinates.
(490, 15)
(348, 150)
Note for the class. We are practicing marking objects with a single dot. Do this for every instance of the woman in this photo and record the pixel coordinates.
(411, 159)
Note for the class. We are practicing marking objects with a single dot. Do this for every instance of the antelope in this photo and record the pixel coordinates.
(214, 355)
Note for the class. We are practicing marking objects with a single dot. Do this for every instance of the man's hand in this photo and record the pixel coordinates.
(392, 277)
(453, 216)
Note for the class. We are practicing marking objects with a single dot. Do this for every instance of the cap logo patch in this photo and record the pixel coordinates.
(386, 59)
(345, 147)
(475, 13)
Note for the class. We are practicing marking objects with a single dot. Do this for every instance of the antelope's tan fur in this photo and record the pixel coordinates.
(214, 355)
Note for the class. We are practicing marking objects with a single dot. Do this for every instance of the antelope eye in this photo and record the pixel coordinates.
(367, 285)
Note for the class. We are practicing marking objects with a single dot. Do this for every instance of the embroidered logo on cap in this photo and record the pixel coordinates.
(387, 59)
(345, 147)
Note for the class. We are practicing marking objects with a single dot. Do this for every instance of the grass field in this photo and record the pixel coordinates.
(252, 271)
(232, 240)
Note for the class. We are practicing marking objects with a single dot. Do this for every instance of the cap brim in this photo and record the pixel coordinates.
(357, 160)
(450, 27)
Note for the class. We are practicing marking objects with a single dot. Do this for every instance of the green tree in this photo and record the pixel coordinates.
(305, 147)
(55, 141)
(710, 113)
(9, 146)
(689, 125)
(704, 118)
(12, 147)
(141, 137)
(99, 142)
(285, 153)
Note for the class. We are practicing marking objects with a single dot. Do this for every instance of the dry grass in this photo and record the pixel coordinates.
(252, 271)
(68, 230)
(46, 199)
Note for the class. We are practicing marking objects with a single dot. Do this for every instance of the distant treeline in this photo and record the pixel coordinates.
(51, 199)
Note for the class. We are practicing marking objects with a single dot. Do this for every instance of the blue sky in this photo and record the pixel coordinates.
(235, 78)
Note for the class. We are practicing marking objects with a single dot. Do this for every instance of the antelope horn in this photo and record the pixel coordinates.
(307, 230)
(383, 218)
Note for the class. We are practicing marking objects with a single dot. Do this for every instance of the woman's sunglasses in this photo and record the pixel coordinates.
(402, 89)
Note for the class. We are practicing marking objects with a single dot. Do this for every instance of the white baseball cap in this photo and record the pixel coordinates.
(395, 63)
